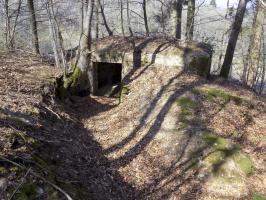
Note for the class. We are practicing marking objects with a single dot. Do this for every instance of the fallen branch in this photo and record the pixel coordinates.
(52, 111)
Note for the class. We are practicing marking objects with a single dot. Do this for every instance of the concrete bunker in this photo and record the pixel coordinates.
(107, 78)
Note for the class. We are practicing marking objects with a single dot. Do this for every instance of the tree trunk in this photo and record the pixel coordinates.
(53, 34)
(110, 33)
(145, 18)
(59, 39)
(190, 19)
(228, 58)
(178, 10)
(81, 77)
(13, 30)
(97, 19)
(122, 17)
(129, 20)
(35, 38)
(250, 75)
(7, 25)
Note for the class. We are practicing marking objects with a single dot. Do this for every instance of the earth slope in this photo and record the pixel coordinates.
(174, 136)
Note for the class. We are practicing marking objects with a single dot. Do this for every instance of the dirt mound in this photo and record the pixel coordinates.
(174, 136)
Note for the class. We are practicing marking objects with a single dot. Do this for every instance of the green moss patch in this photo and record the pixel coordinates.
(224, 149)
(72, 81)
(258, 197)
(218, 143)
(244, 163)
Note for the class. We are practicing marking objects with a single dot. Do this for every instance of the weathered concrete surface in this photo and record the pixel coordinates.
(134, 52)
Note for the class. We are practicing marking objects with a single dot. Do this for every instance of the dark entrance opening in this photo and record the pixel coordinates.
(109, 77)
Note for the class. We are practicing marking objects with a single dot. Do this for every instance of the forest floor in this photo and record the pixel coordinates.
(174, 136)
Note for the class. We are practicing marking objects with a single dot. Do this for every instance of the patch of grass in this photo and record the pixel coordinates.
(218, 95)
(213, 94)
(186, 103)
(258, 197)
(188, 107)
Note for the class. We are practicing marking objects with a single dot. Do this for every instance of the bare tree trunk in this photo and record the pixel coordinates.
(162, 18)
(82, 75)
(178, 10)
(129, 20)
(221, 54)
(35, 38)
(253, 58)
(145, 18)
(13, 31)
(97, 19)
(263, 71)
(190, 19)
(59, 38)
(7, 25)
(53, 34)
(233, 38)
(86, 5)
(110, 33)
(122, 17)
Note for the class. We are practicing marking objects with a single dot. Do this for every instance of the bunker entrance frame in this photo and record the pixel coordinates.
(107, 78)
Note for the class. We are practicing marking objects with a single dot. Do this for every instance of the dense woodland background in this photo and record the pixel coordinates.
(55, 26)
